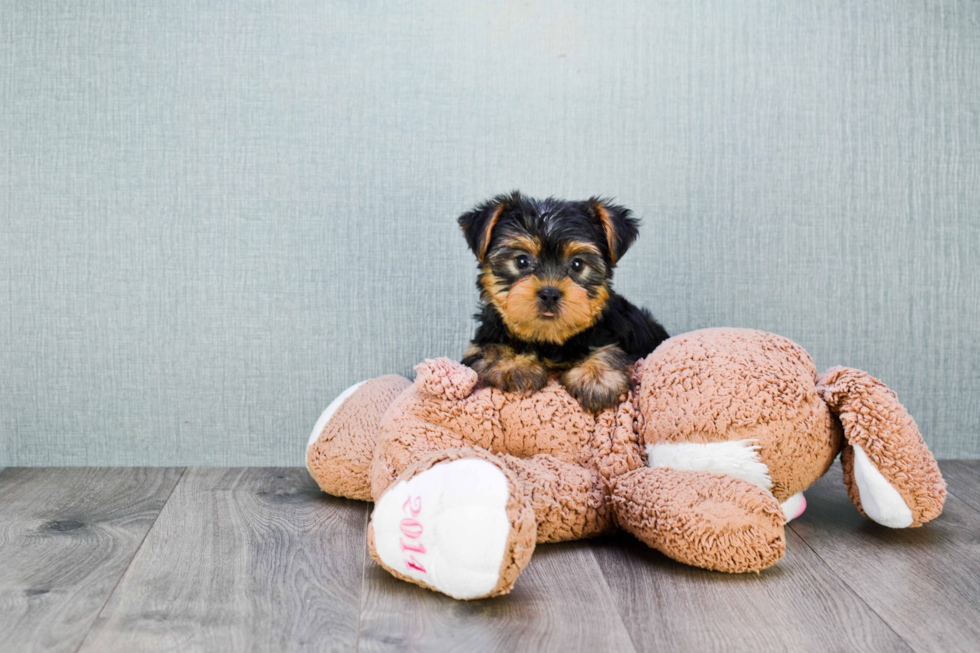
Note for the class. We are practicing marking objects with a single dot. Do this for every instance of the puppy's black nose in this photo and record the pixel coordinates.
(549, 295)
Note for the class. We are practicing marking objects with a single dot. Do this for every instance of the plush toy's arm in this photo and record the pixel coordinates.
(890, 474)
(709, 520)
(616, 440)
(445, 378)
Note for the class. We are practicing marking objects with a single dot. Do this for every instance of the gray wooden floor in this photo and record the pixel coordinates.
(199, 559)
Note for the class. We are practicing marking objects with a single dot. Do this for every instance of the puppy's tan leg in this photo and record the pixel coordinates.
(599, 379)
(501, 367)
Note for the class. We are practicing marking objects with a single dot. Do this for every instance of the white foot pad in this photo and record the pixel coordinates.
(881, 501)
(446, 527)
(794, 506)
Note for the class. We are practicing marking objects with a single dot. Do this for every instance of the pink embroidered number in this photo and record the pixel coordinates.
(412, 529)
(418, 548)
(413, 509)
(414, 564)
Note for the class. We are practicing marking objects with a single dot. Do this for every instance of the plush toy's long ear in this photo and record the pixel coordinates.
(478, 224)
(889, 472)
(618, 223)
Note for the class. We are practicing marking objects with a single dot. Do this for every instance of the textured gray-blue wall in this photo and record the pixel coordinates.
(216, 216)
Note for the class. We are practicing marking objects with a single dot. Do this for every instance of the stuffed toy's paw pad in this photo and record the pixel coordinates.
(447, 527)
(881, 502)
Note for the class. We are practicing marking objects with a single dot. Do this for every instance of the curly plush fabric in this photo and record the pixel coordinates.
(708, 520)
(545, 439)
(340, 455)
(719, 428)
(874, 420)
(718, 385)
(442, 377)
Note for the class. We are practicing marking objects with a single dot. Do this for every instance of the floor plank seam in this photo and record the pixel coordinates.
(949, 468)
(364, 563)
(612, 600)
(130, 563)
(850, 589)
(966, 502)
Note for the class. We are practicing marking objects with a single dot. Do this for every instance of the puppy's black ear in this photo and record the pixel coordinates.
(617, 222)
(478, 224)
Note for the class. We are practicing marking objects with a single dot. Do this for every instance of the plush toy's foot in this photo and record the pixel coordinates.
(459, 525)
(708, 520)
(890, 474)
(341, 446)
(329, 412)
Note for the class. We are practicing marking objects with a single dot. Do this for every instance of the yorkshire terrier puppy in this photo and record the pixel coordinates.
(547, 304)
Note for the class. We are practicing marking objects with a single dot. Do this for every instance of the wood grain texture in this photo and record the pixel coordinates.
(798, 605)
(560, 603)
(924, 582)
(242, 560)
(259, 559)
(66, 538)
(963, 480)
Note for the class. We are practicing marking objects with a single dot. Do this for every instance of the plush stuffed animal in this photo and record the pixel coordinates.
(705, 459)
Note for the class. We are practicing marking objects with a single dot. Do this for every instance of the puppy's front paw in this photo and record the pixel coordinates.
(599, 380)
(499, 366)
(519, 379)
(595, 395)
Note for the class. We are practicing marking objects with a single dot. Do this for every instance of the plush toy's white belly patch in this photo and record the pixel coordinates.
(738, 458)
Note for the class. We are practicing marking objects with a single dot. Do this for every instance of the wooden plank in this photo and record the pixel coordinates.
(242, 560)
(924, 582)
(963, 480)
(66, 537)
(798, 605)
(560, 603)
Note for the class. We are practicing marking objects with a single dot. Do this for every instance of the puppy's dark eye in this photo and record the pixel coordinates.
(522, 262)
(578, 265)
